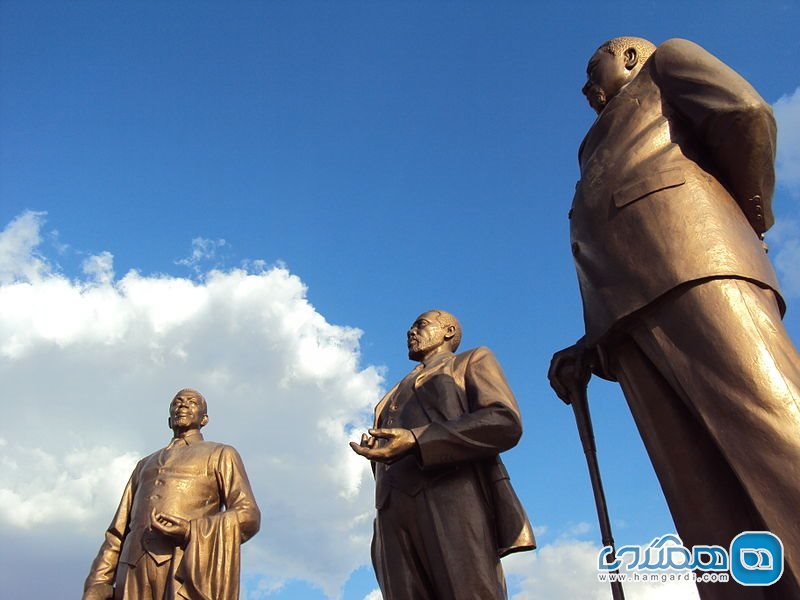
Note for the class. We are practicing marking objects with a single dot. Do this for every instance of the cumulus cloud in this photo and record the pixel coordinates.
(787, 114)
(39, 488)
(784, 238)
(567, 569)
(18, 243)
(90, 362)
(203, 251)
(785, 235)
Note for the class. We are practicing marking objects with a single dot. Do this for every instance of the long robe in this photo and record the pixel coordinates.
(202, 482)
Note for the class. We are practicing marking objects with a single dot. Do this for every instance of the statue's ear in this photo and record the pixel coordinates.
(450, 332)
(631, 57)
(203, 421)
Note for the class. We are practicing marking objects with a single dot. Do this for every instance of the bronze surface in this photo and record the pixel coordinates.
(446, 511)
(681, 304)
(183, 515)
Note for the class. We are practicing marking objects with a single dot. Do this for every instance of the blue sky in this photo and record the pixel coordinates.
(380, 159)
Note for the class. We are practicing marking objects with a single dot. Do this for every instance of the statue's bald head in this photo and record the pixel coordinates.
(446, 320)
(612, 66)
(434, 331)
(617, 46)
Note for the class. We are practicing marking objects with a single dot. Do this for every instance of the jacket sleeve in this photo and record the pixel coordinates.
(237, 493)
(490, 425)
(733, 123)
(100, 582)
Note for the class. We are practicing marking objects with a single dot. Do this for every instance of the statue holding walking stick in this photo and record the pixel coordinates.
(681, 304)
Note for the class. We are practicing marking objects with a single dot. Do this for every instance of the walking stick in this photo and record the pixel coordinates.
(583, 418)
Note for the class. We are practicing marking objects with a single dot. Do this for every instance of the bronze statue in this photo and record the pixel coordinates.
(681, 304)
(182, 517)
(446, 511)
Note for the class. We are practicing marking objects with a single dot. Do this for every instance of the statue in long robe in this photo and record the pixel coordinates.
(185, 512)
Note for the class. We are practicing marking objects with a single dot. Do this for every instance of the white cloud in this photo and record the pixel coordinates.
(787, 114)
(89, 365)
(203, 250)
(787, 260)
(100, 267)
(18, 242)
(784, 237)
(567, 569)
(38, 488)
(374, 595)
(784, 241)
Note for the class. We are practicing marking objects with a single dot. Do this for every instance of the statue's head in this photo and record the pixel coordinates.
(433, 331)
(613, 65)
(187, 410)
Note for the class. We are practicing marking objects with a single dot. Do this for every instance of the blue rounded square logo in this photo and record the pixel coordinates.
(756, 558)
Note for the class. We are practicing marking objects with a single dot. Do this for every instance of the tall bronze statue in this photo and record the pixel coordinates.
(183, 515)
(681, 304)
(446, 511)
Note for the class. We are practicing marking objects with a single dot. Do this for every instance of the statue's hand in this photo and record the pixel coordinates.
(175, 527)
(569, 368)
(396, 444)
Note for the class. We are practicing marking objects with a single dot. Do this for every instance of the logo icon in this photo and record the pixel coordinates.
(756, 558)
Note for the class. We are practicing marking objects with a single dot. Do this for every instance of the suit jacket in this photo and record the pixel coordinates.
(676, 182)
(471, 416)
(194, 480)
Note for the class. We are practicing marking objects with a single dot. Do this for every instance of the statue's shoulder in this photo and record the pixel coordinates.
(473, 354)
(217, 451)
(679, 46)
(681, 54)
(148, 458)
(212, 446)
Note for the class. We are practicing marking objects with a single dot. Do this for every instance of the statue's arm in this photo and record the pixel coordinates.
(732, 122)
(99, 584)
(491, 425)
(237, 494)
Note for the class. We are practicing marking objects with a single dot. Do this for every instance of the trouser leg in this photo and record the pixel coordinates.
(712, 381)
(438, 544)
(398, 556)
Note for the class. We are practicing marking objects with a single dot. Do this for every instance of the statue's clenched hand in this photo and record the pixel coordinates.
(569, 368)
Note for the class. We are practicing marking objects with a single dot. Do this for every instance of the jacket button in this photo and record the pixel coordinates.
(576, 249)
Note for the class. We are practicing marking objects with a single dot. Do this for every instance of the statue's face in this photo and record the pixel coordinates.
(186, 411)
(425, 335)
(605, 76)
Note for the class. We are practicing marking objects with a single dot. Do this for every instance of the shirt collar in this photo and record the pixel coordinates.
(193, 436)
(437, 358)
